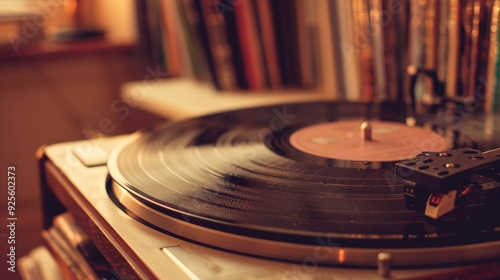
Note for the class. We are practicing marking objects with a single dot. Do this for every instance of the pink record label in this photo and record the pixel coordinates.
(390, 141)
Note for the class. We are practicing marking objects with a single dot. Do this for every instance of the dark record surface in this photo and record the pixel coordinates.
(236, 172)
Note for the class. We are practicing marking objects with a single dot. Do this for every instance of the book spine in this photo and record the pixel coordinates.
(442, 56)
(391, 50)
(219, 47)
(474, 53)
(304, 46)
(491, 74)
(329, 77)
(247, 34)
(170, 38)
(465, 27)
(263, 9)
(453, 48)
(363, 42)
(191, 22)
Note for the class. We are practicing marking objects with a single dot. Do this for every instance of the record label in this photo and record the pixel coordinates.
(390, 141)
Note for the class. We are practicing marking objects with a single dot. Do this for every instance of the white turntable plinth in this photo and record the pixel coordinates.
(181, 98)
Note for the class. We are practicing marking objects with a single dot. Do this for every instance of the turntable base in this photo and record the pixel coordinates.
(140, 252)
(246, 195)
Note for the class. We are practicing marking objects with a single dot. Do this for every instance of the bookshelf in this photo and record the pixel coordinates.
(357, 50)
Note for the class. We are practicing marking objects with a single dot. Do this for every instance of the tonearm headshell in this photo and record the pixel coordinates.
(435, 183)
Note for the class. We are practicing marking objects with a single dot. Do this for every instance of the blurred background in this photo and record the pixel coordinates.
(62, 64)
(71, 69)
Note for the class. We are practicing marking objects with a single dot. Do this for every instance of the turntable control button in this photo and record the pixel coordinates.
(91, 155)
(384, 264)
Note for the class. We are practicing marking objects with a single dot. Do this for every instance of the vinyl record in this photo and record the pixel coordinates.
(280, 181)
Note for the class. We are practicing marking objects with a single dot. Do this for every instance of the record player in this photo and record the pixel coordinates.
(320, 190)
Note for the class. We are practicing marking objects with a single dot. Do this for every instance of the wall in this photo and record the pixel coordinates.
(53, 99)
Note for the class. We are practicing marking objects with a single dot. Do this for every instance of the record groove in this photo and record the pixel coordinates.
(236, 173)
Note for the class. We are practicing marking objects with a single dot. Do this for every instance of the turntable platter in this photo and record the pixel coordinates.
(238, 181)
